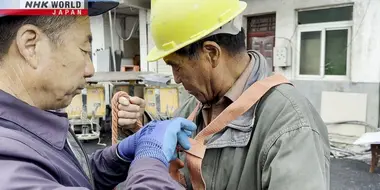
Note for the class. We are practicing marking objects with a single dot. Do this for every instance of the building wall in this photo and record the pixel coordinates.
(313, 90)
(365, 46)
(364, 76)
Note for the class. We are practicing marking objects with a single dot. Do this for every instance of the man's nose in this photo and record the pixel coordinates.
(89, 70)
(177, 79)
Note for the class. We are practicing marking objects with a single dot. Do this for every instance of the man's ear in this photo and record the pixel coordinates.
(213, 52)
(27, 38)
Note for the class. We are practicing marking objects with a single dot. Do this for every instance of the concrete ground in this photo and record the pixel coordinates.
(346, 174)
(349, 174)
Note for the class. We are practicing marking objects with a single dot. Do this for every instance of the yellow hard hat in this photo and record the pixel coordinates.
(178, 23)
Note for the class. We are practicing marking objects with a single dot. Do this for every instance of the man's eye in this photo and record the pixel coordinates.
(86, 52)
(175, 67)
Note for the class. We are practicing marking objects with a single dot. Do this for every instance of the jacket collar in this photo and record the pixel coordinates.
(259, 71)
(238, 132)
(46, 125)
(240, 84)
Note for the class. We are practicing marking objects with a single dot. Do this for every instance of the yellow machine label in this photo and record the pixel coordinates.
(163, 101)
(95, 98)
(74, 110)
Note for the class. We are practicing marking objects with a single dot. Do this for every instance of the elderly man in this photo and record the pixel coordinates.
(279, 143)
(43, 64)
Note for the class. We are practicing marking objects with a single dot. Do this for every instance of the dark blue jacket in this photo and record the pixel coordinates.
(38, 153)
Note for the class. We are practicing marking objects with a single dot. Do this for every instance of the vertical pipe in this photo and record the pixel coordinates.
(112, 43)
(143, 21)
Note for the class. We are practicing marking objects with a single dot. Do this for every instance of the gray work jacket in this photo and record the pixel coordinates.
(281, 143)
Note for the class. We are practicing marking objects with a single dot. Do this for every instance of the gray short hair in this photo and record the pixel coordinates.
(234, 44)
(52, 26)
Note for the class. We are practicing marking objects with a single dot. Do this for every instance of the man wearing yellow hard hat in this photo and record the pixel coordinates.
(255, 130)
(44, 63)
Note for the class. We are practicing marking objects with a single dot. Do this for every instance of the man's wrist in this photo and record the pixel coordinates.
(150, 152)
(121, 157)
(126, 149)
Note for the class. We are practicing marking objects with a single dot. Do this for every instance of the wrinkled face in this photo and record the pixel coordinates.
(57, 71)
(199, 75)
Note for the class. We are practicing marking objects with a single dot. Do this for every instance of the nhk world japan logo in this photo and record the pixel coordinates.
(44, 7)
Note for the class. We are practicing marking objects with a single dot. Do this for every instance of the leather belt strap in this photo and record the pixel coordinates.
(195, 155)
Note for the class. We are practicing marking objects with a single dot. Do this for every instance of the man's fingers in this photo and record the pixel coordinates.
(129, 108)
(124, 122)
(137, 101)
(128, 115)
(174, 156)
(188, 125)
(183, 140)
(188, 133)
(142, 109)
(184, 124)
(124, 101)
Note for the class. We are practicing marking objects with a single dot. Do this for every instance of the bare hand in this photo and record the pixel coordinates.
(130, 110)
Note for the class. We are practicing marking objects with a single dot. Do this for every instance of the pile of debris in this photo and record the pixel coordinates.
(352, 147)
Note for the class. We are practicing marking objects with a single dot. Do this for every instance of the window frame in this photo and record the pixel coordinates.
(323, 27)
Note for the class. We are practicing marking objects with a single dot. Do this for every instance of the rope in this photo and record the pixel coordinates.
(115, 127)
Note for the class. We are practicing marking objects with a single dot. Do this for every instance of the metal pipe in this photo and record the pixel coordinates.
(112, 44)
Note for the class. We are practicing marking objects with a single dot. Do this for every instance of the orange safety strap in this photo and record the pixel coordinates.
(177, 164)
(115, 117)
(195, 155)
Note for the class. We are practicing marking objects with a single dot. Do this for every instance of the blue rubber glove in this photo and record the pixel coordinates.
(127, 147)
(158, 139)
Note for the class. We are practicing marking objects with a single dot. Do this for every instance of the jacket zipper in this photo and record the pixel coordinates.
(216, 167)
(86, 158)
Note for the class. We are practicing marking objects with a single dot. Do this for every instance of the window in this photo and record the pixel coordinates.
(325, 15)
(323, 43)
(262, 23)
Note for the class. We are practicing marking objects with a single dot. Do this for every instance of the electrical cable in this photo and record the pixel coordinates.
(345, 152)
(117, 31)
